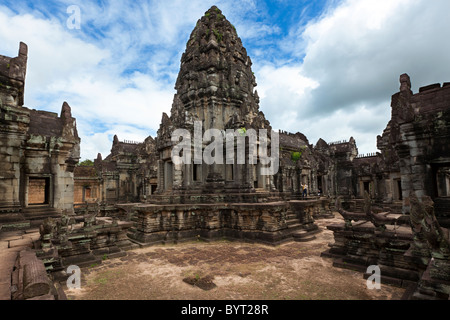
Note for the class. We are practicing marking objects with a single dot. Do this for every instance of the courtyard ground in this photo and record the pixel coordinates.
(228, 270)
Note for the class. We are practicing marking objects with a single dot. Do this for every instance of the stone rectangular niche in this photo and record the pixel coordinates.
(38, 192)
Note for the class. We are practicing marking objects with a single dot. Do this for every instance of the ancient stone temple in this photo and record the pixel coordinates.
(416, 141)
(127, 175)
(215, 90)
(402, 227)
(38, 152)
(217, 170)
(216, 103)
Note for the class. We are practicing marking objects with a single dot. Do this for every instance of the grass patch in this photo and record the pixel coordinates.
(198, 279)
(107, 277)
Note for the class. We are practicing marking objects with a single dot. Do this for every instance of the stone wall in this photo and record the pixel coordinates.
(415, 142)
(33, 145)
(272, 222)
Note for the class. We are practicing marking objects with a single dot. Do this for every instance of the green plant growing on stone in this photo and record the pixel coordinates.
(218, 35)
(8, 65)
(207, 14)
(295, 156)
(105, 257)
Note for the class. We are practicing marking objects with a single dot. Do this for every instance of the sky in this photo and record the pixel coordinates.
(325, 68)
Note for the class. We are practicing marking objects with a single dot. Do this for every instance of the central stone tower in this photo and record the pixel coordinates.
(215, 88)
(232, 199)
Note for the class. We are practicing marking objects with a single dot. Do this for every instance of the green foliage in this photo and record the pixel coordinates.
(207, 14)
(218, 35)
(86, 163)
(295, 156)
(220, 16)
(242, 131)
(8, 65)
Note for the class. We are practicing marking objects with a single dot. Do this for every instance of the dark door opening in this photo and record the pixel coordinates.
(319, 185)
(399, 188)
(367, 187)
(196, 172)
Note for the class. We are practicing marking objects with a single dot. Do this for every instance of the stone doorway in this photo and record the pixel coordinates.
(443, 181)
(367, 186)
(399, 190)
(319, 185)
(38, 191)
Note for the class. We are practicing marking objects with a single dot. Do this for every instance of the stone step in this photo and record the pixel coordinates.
(31, 213)
(295, 226)
(304, 236)
(291, 222)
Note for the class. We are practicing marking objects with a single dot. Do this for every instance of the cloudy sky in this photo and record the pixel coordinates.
(326, 68)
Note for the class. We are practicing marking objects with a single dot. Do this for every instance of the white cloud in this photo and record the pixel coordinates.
(61, 67)
(355, 54)
(331, 78)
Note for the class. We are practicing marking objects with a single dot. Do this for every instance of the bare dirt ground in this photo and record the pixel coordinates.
(228, 271)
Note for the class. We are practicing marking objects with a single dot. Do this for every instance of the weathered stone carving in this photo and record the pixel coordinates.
(427, 229)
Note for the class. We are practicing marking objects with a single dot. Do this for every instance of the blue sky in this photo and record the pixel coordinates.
(324, 68)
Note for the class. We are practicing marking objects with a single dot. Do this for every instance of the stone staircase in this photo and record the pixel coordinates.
(300, 232)
(26, 218)
(37, 214)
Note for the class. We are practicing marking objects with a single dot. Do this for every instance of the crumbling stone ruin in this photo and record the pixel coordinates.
(38, 153)
(216, 90)
(411, 248)
(394, 203)
(81, 240)
(127, 175)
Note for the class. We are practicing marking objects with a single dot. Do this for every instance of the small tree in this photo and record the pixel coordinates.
(86, 163)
